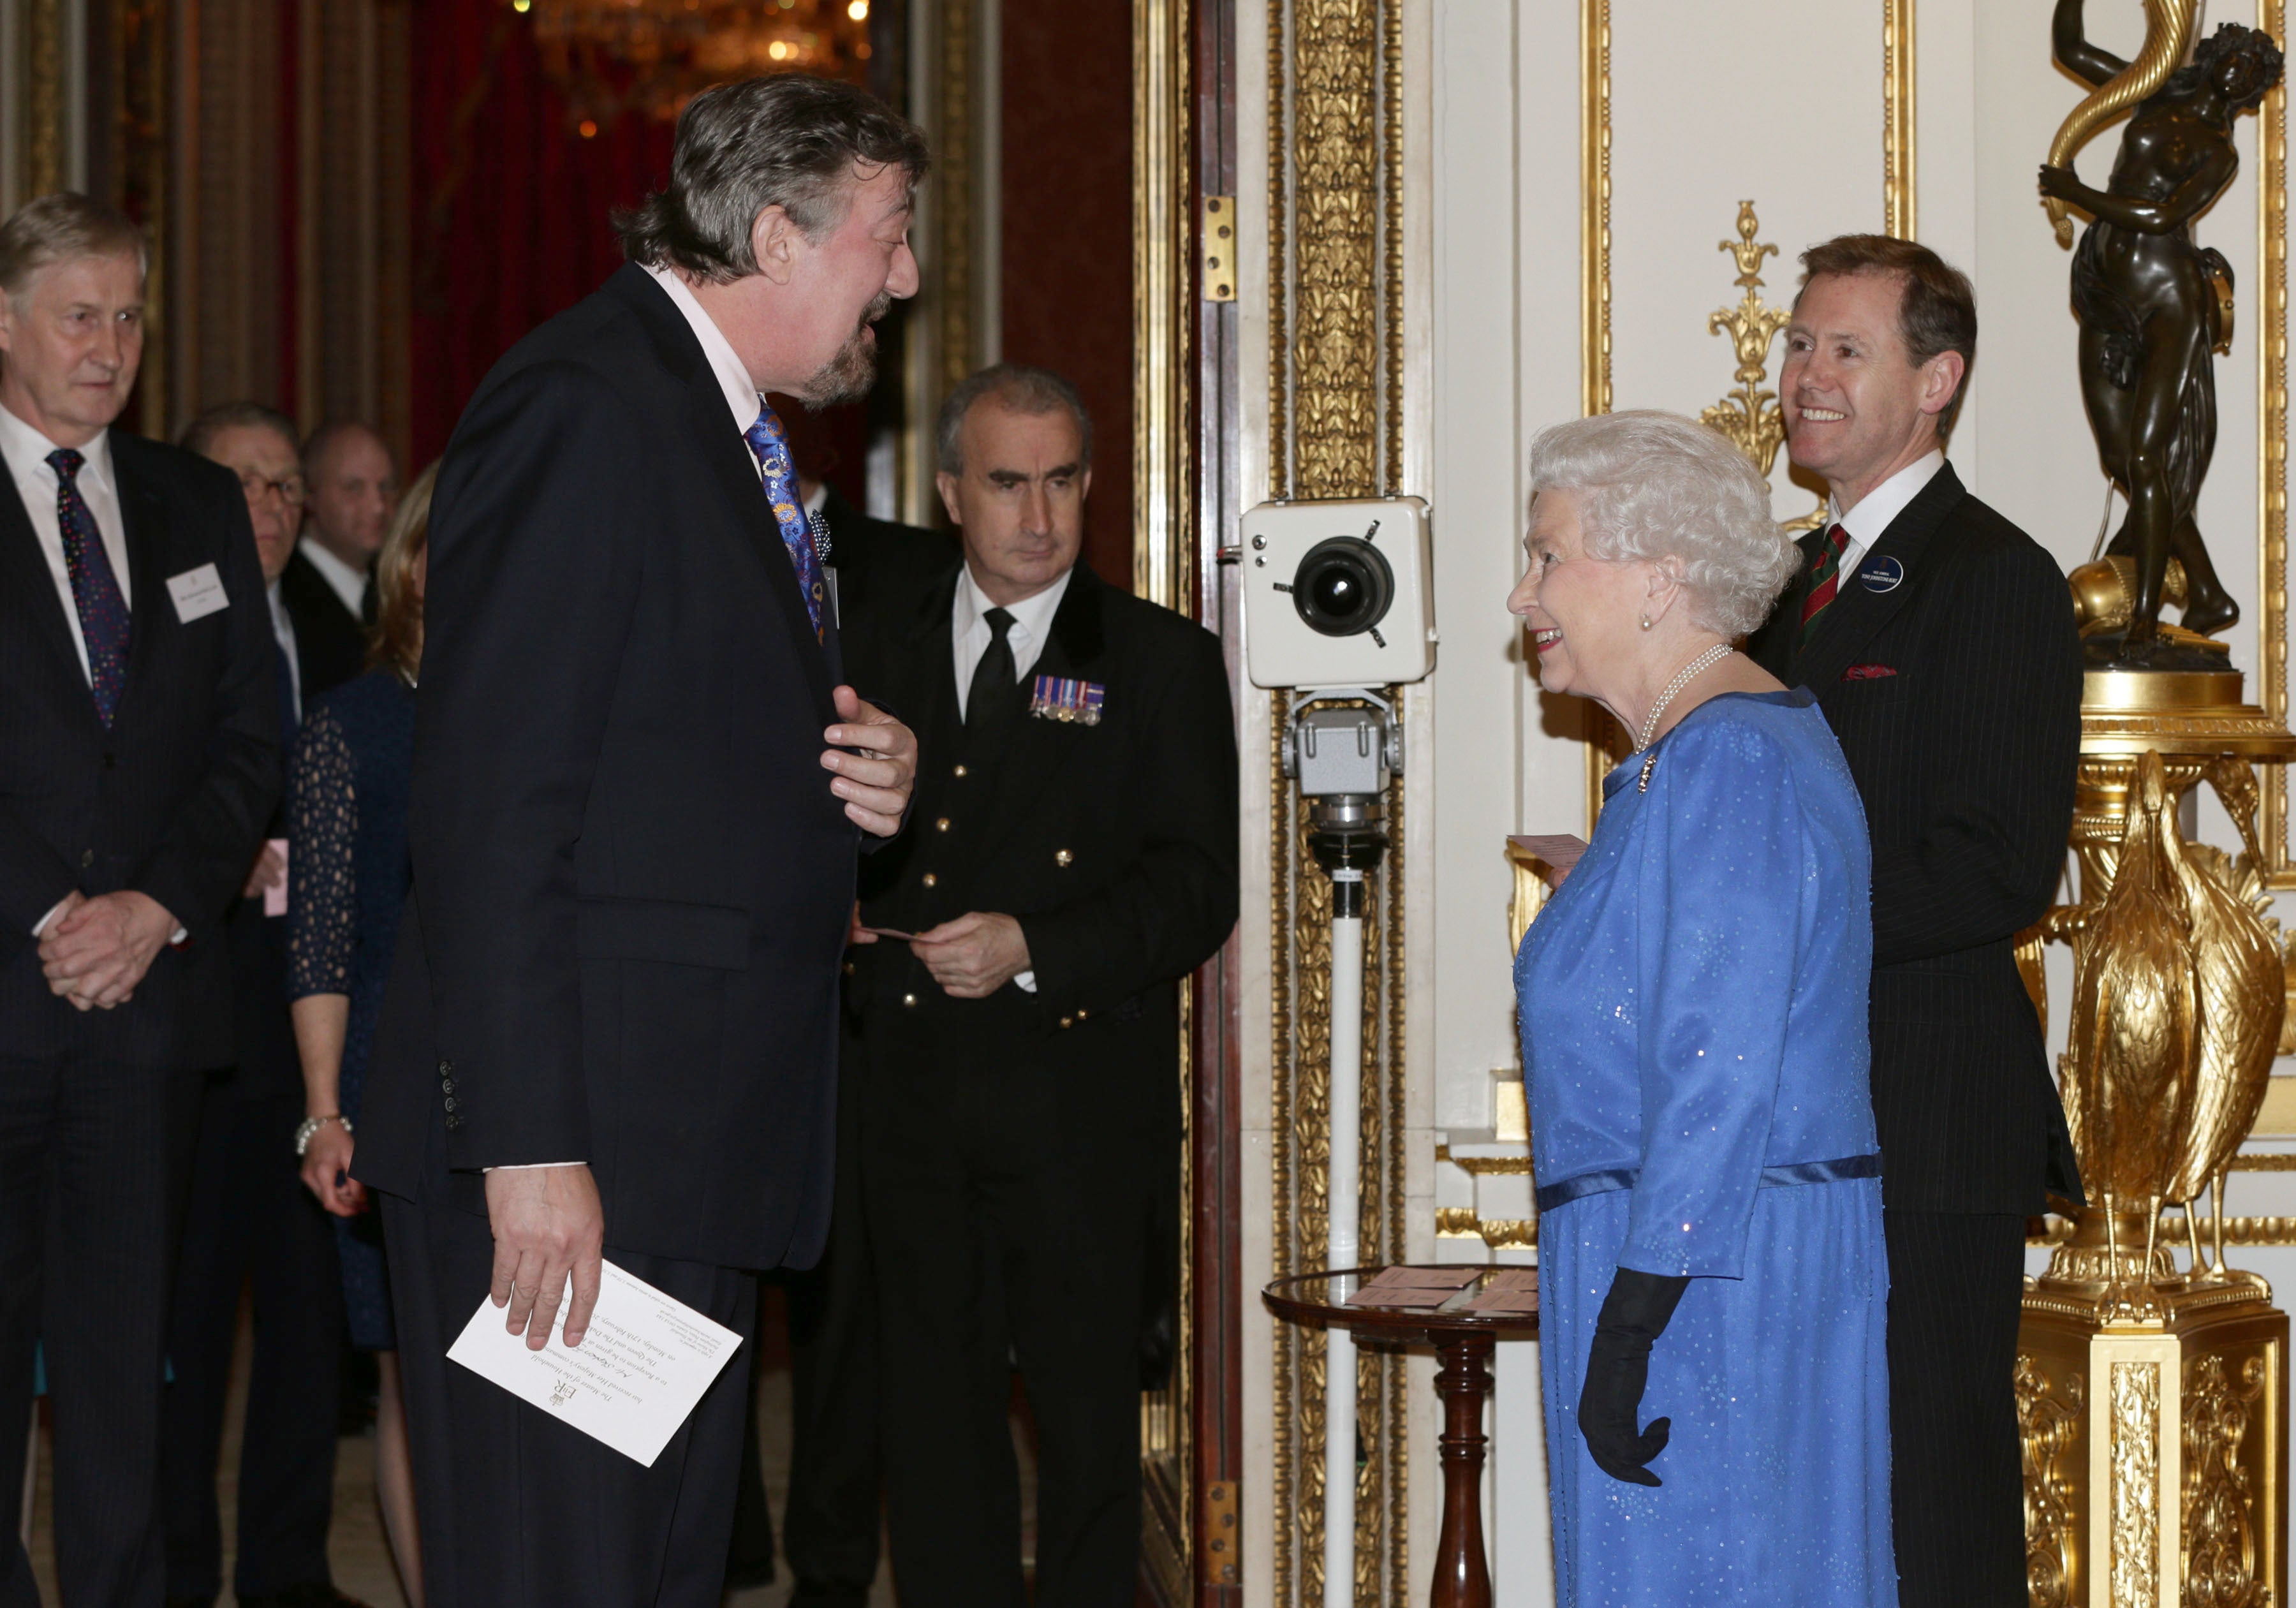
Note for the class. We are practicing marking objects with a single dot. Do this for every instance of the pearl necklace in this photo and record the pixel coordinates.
(1689, 672)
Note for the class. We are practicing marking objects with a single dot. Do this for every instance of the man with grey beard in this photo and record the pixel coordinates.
(639, 791)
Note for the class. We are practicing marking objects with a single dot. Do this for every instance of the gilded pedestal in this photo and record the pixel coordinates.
(2153, 1403)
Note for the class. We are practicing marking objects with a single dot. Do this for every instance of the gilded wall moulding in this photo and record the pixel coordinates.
(2272, 442)
(1335, 429)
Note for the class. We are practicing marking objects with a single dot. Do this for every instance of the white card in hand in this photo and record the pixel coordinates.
(197, 593)
(641, 1367)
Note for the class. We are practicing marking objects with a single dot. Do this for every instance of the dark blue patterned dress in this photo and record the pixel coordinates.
(348, 872)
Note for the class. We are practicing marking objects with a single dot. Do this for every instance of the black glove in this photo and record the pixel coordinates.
(1634, 1315)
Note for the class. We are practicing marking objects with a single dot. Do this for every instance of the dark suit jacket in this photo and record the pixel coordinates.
(1956, 700)
(172, 800)
(632, 882)
(1114, 845)
(329, 641)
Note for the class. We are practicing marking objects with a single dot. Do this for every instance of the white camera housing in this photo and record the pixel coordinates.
(1335, 593)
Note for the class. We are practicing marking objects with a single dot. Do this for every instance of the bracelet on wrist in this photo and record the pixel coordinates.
(312, 1125)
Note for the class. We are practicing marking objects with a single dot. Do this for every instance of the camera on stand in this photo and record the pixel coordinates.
(1335, 593)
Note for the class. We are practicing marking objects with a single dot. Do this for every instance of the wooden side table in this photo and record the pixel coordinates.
(1464, 1340)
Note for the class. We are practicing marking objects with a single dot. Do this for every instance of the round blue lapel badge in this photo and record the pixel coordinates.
(1881, 574)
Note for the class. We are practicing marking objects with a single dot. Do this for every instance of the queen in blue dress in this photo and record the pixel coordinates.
(1693, 1006)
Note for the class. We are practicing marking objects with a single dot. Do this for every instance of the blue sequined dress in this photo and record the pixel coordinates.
(348, 875)
(1693, 1004)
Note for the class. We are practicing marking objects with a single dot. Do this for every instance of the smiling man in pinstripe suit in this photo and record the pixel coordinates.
(1940, 640)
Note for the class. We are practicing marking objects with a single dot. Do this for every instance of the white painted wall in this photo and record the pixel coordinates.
(1779, 101)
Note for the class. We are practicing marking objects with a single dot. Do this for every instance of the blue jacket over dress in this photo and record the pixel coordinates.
(1693, 1014)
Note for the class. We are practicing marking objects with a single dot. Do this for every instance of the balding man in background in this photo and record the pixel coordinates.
(139, 761)
(248, 1221)
(329, 584)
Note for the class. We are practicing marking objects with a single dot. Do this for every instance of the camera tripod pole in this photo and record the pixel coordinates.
(1348, 843)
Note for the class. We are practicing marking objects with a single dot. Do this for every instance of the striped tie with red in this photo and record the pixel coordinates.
(1824, 582)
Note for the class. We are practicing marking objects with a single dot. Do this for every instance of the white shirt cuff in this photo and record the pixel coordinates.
(41, 925)
(1026, 982)
(530, 1166)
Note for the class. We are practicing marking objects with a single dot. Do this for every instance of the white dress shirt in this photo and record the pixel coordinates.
(26, 452)
(969, 627)
(1865, 523)
(346, 583)
(283, 632)
(741, 397)
(1033, 622)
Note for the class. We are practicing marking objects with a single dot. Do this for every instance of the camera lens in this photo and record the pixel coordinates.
(1343, 587)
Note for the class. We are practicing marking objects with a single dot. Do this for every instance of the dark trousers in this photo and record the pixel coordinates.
(830, 1527)
(92, 1159)
(1005, 1222)
(519, 1510)
(248, 1220)
(1955, 1477)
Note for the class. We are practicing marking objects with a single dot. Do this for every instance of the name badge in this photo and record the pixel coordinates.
(1881, 574)
(197, 593)
(1073, 702)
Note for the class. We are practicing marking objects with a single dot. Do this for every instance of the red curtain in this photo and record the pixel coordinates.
(511, 202)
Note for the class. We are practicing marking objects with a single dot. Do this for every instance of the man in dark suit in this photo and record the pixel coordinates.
(835, 1513)
(347, 490)
(139, 760)
(1072, 856)
(1940, 640)
(611, 1024)
(249, 1222)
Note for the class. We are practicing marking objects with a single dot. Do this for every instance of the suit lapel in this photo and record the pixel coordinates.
(1858, 613)
(144, 517)
(24, 573)
(1036, 751)
(731, 467)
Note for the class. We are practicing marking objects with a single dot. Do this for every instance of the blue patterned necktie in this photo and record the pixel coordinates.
(95, 590)
(770, 442)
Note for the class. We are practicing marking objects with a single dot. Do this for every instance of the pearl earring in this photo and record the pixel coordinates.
(1646, 622)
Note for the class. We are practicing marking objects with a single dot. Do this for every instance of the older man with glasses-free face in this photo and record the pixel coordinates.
(139, 761)
(639, 791)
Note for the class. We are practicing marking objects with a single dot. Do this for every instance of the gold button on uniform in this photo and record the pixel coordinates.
(931, 881)
(1068, 1021)
(941, 825)
(909, 1000)
(1062, 857)
(960, 770)
(1080, 1017)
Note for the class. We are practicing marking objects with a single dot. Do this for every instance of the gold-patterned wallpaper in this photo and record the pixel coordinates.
(1335, 233)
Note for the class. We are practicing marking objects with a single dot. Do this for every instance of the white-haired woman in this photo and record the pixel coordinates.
(1692, 1007)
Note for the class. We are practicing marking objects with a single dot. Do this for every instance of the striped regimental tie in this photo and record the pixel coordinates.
(1825, 583)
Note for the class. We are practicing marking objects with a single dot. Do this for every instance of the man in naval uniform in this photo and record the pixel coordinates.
(1012, 1023)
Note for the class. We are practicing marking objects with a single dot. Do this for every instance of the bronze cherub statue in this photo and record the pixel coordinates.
(2152, 304)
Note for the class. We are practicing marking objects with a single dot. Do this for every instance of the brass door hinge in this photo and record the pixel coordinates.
(1216, 239)
(1223, 1535)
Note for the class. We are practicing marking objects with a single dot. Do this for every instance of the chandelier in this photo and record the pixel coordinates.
(608, 57)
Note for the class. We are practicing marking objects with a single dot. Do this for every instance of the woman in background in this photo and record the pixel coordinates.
(1693, 1004)
(346, 790)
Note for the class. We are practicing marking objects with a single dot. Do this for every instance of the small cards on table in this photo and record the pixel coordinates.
(1454, 1289)
(1413, 1289)
(1507, 1290)
(641, 1368)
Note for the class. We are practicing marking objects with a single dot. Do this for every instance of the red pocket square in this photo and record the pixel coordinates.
(1868, 672)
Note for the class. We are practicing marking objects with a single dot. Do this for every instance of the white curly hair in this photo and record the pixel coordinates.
(1652, 485)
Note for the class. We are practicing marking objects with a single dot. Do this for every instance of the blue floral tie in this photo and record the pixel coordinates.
(95, 590)
(770, 442)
